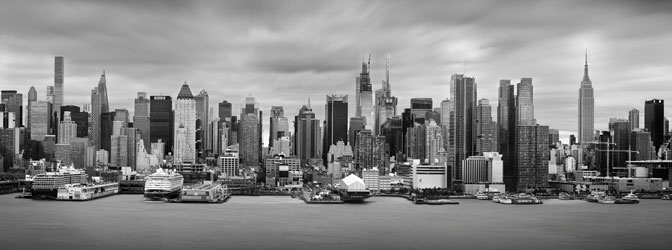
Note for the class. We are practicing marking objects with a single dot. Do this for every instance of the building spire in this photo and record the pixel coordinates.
(308, 102)
(585, 68)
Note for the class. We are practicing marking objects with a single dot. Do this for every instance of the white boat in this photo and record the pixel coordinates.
(82, 192)
(482, 196)
(163, 185)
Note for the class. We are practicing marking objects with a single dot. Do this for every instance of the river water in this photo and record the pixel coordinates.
(243, 222)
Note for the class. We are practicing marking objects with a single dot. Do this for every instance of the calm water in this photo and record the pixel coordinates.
(126, 222)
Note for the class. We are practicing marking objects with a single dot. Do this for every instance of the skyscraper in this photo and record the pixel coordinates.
(40, 123)
(94, 119)
(433, 142)
(161, 122)
(202, 119)
(32, 96)
(13, 103)
(248, 139)
(58, 85)
(225, 110)
(586, 107)
(279, 125)
(484, 129)
(633, 118)
(654, 120)
(461, 132)
(364, 105)
(141, 118)
(336, 122)
(386, 104)
(307, 134)
(102, 89)
(185, 126)
(525, 103)
(532, 157)
(506, 122)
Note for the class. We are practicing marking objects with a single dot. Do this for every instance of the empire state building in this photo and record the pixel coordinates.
(586, 107)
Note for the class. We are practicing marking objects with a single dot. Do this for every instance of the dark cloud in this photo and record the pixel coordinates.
(284, 52)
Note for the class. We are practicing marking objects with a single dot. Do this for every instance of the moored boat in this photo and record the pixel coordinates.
(525, 199)
(163, 185)
(83, 192)
(441, 202)
(565, 196)
(607, 199)
(211, 193)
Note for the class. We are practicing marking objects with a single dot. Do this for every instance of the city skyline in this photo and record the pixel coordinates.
(284, 58)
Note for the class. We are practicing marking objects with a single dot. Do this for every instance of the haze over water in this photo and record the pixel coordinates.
(127, 222)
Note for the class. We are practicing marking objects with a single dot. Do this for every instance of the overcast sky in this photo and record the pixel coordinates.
(284, 52)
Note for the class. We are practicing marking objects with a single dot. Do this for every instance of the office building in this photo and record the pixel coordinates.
(13, 102)
(633, 118)
(433, 142)
(67, 129)
(371, 152)
(485, 131)
(386, 104)
(640, 141)
(654, 121)
(32, 96)
(307, 134)
(279, 125)
(525, 103)
(94, 119)
(141, 119)
(461, 131)
(58, 85)
(586, 107)
(419, 109)
(202, 119)
(185, 127)
(336, 122)
(161, 122)
(229, 163)
(40, 123)
(394, 136)
(533, 155)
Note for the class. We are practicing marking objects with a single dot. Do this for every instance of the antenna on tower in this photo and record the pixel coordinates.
(465, 66)
(368, 66)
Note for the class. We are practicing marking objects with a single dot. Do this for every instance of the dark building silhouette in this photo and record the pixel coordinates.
(654, 120)
(161, 121)
(394, 136)
(106, 125)
(336, 122)
(532, 158)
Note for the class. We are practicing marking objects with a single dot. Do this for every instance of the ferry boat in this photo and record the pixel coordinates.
(595, 196)
(482, 196)
(525, 199)
(488, 194)
(212, 193)
(630, 198)
(83, 192)
(505, 199)
(497, 198)
(163, 185)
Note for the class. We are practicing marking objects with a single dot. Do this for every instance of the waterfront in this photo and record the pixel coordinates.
(277, 222)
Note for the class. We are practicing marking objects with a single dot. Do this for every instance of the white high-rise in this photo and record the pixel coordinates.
(185, 126)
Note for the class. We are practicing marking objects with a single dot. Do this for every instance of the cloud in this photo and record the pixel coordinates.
(284, 52)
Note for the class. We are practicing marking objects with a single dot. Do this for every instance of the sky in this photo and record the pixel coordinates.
(285, 52)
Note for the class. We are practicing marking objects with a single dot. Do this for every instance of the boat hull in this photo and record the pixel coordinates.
(161, 195)
(44, 194)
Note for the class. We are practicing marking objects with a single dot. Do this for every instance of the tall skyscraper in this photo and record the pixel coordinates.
(586, 107)
(106, 130)
(307, 134)
(484, 128)
(532, 157)
(185, 126)
(640, 141)
(394, 136)
(633, 118)
(141, 118)
(336, 122)
(654, 120)
(461, 132)
(621, 136)
(386, 104)
(32, 96)
(102, 89)
(202, 119)
(506, 122)
(248, 139)
(58, 85)
(445, 122)
(94, 119)
(525, 103)
(364, 105)
(161, 122)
